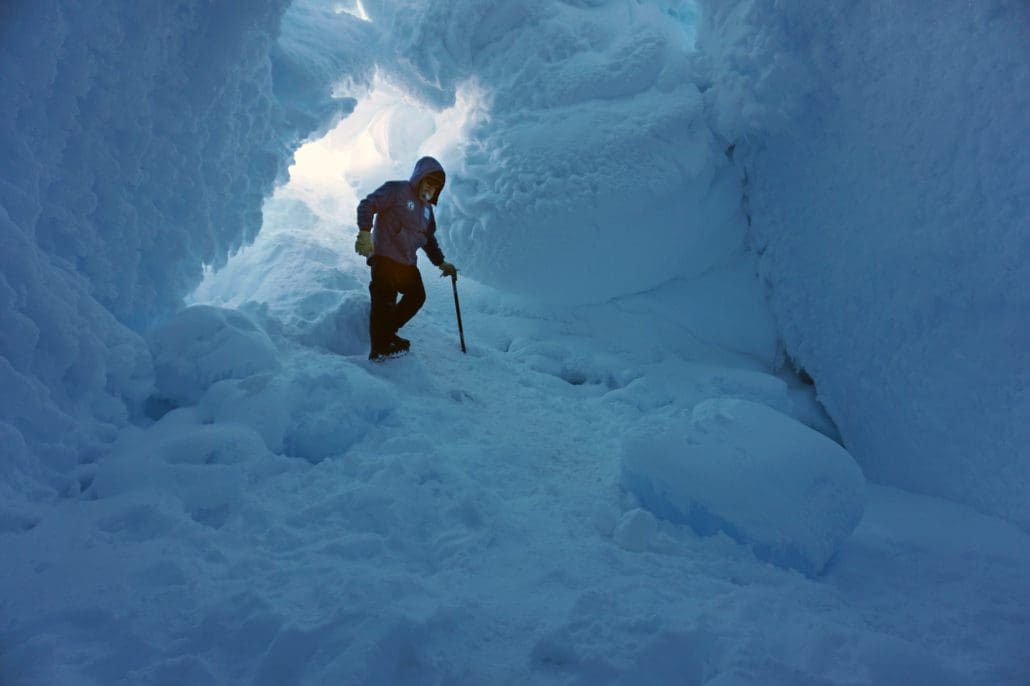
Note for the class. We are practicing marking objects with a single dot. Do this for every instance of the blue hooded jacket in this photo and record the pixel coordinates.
(403, 223)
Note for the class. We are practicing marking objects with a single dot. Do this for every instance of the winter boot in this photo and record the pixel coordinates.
(388, 350)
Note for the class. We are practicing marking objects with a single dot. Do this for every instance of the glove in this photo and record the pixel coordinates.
(364, 245)
(448, 269)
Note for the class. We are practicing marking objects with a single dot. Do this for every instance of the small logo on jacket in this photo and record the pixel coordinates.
(425, 213)
(411, 206)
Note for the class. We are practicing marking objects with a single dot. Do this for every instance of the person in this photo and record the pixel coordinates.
(403, 222)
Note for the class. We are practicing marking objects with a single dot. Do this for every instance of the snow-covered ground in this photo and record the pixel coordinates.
(471, 529)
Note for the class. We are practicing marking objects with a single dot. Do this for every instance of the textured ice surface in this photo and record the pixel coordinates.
(888, 203)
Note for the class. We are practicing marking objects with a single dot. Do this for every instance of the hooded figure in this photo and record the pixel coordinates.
(394, 221)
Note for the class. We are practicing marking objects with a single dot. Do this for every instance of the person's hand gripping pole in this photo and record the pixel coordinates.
(449, 269)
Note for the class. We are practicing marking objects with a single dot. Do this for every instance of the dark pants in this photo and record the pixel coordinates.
(388, 279)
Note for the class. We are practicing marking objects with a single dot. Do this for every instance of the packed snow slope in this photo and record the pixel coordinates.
(449, 518)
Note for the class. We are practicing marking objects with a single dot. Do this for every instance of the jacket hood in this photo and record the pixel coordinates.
(428, 166)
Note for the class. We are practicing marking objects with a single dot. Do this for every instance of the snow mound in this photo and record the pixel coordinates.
(200, 470)
(259, 402)
(312, 409)
(331, 408)
(342, 329)
(753, 473)
(202, 345)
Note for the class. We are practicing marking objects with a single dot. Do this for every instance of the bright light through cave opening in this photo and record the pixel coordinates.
(355, 9)
(380, 140)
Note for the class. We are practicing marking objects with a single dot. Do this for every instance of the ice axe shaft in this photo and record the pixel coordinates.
(457, 310)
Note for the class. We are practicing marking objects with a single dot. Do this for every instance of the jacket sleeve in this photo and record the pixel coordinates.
(432, 248)
(374, 202)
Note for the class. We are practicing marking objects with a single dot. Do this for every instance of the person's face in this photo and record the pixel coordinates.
(427, 189)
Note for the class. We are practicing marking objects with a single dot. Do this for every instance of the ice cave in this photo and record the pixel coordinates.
(745, 288)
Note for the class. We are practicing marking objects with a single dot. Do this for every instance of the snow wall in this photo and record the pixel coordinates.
(885, 147)
(137, 141)
(140, 138)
